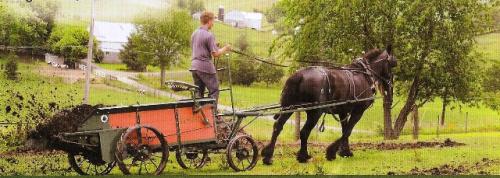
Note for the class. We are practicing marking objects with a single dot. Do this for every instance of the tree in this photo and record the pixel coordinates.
(425, 34)
(46, 11)
(70, 42)
(164, 39)
(11, 68)
(196, 6)
(130, 55)
(20, 26)
(273, 14)
(491, 87)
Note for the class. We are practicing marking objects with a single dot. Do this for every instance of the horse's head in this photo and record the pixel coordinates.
(381, 64)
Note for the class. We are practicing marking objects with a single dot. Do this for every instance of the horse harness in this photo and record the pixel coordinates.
(349, 72)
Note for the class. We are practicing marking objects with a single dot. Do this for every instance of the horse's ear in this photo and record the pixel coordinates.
(389, 49)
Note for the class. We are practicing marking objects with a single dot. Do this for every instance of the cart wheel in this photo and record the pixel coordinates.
(242, 153)
(143, 151)
(191, 158)
(84, 166)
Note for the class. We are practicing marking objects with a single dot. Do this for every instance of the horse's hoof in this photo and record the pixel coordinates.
(346, 154)
(330, 157)
(303, 158)
(267, 161)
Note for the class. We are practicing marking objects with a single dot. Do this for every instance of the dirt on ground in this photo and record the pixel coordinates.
(390, 146)
(462, 169)
(68, 75)
(404, 146)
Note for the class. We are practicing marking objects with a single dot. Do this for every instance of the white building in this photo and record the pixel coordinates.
(112, 37)
(244, 19)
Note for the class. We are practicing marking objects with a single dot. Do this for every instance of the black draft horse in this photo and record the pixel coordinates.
(320, 85)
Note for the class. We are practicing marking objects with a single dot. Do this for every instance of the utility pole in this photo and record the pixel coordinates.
(88, 69)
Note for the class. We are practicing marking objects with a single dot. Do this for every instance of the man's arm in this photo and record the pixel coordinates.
(221, 51)
(214, 49)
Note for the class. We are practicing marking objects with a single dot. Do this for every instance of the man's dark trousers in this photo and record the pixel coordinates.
(206, 80)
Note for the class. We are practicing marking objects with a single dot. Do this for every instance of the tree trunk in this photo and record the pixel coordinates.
(388, 131)
(416, 123)
(163, 75)
(443, 111)
(407, 108)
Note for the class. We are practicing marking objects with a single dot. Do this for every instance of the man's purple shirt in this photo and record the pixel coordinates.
(203, 44)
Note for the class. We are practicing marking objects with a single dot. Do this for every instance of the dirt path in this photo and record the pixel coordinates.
(126, 77)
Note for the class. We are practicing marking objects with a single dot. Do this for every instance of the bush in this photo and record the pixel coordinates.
(11, 68)
(270, 74)
(130, 55)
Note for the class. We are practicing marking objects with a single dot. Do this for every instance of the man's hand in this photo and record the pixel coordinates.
(222, 51)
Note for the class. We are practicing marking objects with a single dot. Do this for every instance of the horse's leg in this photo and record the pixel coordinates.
(268, 150)
(344, 146)
(332, 149)
(312, 119)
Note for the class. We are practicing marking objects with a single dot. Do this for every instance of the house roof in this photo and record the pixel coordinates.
(113, 32)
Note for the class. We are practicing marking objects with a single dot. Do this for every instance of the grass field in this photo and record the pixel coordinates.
(489, 45)
(365, 162)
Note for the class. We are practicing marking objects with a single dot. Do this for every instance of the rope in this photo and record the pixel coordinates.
(256, 58)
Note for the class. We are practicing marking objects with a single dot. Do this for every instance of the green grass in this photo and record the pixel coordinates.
(107, 10)
(123, 67)
(489, 45)
(367, 162)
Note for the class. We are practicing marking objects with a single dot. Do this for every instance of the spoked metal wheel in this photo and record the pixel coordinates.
(143, 151)
(191, 158)
(242, 153)
(85, 166)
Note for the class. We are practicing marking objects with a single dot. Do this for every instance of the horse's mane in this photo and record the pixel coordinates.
(372, 54)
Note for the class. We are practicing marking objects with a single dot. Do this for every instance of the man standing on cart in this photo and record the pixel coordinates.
(205, 50)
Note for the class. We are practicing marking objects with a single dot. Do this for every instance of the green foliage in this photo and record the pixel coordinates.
(433, 41)
(164, 38)
(196, 6)
(130, 55)
(20, 26)
(491, 86)
(47, 11)
(270, 74)
(11, 68)
(274, 14)
(70, 42)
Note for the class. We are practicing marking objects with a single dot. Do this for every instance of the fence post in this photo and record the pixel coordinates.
(437, 127)
(297, 126)
(466, 121)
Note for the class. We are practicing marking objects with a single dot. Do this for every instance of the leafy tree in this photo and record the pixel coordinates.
(47, 11)
(71, 42)
(20, 26)
(164, 39)
(491, 85)
(11, 68)
(196, 6)
(274, 14)
(425, 35)
(130, 55)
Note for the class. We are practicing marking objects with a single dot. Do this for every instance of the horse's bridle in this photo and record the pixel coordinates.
(372, 74)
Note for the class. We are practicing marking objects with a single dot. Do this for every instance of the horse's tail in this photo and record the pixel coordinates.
(290, 92)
